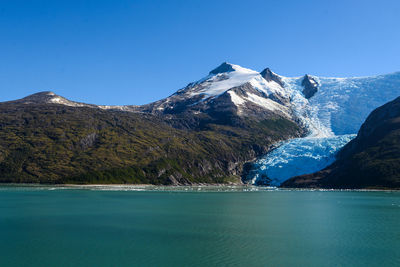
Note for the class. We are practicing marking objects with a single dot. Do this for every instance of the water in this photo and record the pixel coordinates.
(51, 226)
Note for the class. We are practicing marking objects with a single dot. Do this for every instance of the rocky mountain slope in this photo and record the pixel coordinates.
(55, 143)
(371, 160)
(198, 135)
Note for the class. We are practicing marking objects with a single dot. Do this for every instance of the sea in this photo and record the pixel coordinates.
(197, 226)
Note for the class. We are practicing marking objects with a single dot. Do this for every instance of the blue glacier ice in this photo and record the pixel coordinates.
(297, 156)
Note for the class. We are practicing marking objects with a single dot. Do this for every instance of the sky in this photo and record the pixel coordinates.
(120, 52)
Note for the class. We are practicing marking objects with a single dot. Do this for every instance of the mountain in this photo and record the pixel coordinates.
(48, 97)
(193, 136)
(371, 160)
(227, 89)
(210, 131)
(53, 143)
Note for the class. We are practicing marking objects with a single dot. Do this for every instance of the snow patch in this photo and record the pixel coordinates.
(237, 100)
(55, 99)
(267, 103)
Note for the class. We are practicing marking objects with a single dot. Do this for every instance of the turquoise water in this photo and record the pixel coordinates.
(80, 227)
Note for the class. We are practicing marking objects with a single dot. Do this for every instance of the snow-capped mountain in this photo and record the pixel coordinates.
(324, 106)
(246, 92)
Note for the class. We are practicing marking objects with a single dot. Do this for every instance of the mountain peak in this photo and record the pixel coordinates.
(310, 86)
(43, 96)
(224, 67)
(269, 76)
(48, 97)
(43, 93)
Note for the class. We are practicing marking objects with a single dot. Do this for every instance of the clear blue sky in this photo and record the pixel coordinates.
(135, 52)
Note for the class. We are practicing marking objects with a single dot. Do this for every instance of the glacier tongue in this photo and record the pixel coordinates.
(295, 157)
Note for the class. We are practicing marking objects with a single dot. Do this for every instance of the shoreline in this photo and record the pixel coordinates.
(198, 187)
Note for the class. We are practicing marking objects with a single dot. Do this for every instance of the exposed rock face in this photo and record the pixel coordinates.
(88, 141)
(224, 67)
(310, 86)
(268, 75)
(371, 160)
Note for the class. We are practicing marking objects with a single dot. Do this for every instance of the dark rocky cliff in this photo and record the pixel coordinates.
(310, 86)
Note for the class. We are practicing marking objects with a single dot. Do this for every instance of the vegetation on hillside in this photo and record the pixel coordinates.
(53, 143)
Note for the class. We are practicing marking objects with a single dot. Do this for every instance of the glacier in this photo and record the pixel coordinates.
(295, 157)
(332, 116)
